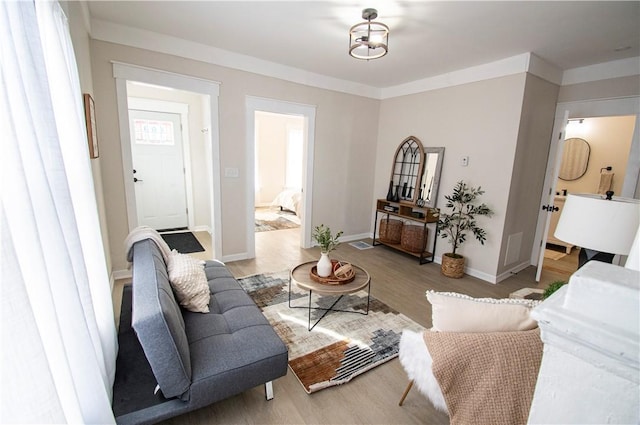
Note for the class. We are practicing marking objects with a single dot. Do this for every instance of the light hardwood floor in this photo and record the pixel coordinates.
(372, 398)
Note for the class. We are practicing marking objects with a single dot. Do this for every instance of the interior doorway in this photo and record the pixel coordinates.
(623, 159)
(279, 142)
(206, 197)
(285, 191)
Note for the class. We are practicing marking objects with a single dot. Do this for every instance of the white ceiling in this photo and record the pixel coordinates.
(427, 38)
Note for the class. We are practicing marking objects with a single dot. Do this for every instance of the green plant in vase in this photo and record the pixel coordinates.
(328, 242)
(461, 220)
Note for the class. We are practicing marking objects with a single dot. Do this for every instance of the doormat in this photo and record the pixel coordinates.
(553, 255)
(361, 245)
(183, 242)
(343, 345)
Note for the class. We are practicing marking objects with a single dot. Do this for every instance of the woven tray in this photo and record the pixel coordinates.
(331, 279)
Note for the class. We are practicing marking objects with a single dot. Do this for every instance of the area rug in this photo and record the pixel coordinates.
(183, 242)
(553, 255)
(268, 219)
(343, 345)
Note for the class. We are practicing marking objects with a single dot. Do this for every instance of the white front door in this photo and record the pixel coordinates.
(158, 169)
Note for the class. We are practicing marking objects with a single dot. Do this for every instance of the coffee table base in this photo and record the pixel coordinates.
(327, 310)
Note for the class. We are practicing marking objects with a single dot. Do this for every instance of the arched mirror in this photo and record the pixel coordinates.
(406, 171)
(575, 159)
(430, 180)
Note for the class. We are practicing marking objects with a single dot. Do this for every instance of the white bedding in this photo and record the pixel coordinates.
(289, 200)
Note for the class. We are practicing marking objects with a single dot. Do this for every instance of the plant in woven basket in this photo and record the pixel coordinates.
(461, 220)
(322, 235)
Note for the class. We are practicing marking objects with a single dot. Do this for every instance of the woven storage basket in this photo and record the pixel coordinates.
(452, 267)
(413, 238)
(391, 230)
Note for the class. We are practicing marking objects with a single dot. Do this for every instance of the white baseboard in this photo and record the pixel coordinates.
(512, 271)
(235, 257)
(351, 238)
(122, 274)
(200, 229)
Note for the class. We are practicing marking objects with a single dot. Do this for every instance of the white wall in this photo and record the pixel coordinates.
(345, 150)
(271, 151)
(77, 15)
(480, 120)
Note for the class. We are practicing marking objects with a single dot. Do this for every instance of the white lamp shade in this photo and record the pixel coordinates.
(593, 222)
(633, 261)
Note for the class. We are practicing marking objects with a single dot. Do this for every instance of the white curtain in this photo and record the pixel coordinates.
(58, 333)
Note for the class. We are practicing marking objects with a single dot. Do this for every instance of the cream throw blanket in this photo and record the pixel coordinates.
(145, 232)
(486, 378)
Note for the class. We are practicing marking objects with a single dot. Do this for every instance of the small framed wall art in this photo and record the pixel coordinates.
(90, 120)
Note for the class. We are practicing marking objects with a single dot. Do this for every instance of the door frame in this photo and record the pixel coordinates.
(181, 109)
(308, 112)
(123, 72)
(587, 109)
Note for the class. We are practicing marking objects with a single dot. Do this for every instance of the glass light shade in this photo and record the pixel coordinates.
(368, 40)
(595, 223)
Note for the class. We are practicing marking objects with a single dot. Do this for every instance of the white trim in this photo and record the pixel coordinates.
(122, 274)
(125, 72)
(525, 62)
(252, 105)
(155, 105)
(134, 37)
(602, 71)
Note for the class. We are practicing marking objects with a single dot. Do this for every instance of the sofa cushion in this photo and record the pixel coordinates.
(453, 312)
(246, 349)
(189, 282)
(158, 322)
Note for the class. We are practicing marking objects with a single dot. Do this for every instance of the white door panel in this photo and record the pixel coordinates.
(156, 147)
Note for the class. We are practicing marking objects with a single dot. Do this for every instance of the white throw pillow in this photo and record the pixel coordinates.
(187, 277)
(453, 312)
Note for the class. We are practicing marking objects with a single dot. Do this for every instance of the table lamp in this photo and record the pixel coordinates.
(601, 226)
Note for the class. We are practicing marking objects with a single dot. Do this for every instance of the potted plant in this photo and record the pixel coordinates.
(322, 235)
(455, 225)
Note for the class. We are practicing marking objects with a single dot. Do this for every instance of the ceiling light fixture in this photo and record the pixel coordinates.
(369, 40)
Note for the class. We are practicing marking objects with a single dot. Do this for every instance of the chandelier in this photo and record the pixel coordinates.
(369, 40)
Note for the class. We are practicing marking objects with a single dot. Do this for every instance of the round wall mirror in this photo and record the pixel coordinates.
(575, 159)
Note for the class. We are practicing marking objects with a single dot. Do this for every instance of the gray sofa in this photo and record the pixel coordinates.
(196, 359)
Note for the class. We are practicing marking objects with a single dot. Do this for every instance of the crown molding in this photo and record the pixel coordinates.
(525, 62)
(602, 71)
(133, 37)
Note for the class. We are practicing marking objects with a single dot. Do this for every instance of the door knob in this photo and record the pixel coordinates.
(135, 180)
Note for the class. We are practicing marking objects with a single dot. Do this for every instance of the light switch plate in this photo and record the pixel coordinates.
(231, 172)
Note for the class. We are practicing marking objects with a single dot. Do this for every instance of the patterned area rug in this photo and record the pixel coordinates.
(268, 219)
(343, 345)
